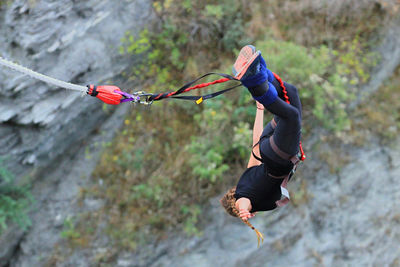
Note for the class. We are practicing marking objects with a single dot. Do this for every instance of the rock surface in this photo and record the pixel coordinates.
(74, 41)
(58, 201)
(70, 40)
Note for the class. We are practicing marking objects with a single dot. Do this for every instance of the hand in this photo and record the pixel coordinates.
(259, 105)
(245, 214)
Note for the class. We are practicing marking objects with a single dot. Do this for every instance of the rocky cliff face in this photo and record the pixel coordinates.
(42, 128)
(350, 218)
(69, 40)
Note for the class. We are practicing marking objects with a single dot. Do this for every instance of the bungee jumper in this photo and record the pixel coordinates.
(276, 149)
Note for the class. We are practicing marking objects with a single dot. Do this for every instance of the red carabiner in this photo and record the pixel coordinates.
(106, 93)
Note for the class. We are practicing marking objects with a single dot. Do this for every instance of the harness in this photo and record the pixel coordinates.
(295, 159)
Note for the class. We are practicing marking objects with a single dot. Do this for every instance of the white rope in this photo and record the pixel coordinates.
(42, 77)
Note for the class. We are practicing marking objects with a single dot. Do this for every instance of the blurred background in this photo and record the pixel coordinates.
(83, 183)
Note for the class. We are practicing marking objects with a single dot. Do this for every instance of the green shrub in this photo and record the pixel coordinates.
(14, 201)
(191, 214)
(242, 138)
(208, 148)
(381, 116)
(5, 2)
(70, 231)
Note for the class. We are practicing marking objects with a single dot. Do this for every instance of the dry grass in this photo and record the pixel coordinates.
(300, 194)
(380, 114)
(311, 22)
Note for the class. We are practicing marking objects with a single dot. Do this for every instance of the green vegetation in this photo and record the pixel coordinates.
(69, 231)
(79, 229)
(167, 162)
(382, 113)
(5, 2)
(14, 201)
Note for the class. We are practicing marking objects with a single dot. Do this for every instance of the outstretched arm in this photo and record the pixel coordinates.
(257, 131)
(243, 204)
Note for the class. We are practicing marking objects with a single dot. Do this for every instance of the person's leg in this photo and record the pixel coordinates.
(257, 78)
(269, 128)
(294, 99)
(292, 93)
(287, 132)
(286, 136)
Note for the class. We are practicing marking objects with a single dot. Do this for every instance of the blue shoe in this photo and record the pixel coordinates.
(250, 67)
(246, 62)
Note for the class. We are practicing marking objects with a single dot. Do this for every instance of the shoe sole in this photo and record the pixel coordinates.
(244, 68)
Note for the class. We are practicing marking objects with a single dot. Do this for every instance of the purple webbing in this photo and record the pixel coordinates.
(128, 98)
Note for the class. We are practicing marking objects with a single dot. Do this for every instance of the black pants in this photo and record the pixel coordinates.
(287, 132)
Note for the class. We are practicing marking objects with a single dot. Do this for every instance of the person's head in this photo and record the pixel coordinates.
(228, 202)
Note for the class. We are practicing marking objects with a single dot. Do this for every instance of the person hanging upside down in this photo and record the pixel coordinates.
(275, 148)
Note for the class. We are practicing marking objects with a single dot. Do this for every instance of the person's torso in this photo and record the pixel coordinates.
(262, 190)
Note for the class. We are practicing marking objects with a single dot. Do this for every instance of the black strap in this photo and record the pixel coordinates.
(206, 96)
(156, 97)
(254, 155)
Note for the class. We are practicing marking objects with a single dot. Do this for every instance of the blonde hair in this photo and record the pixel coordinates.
(228, 201)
